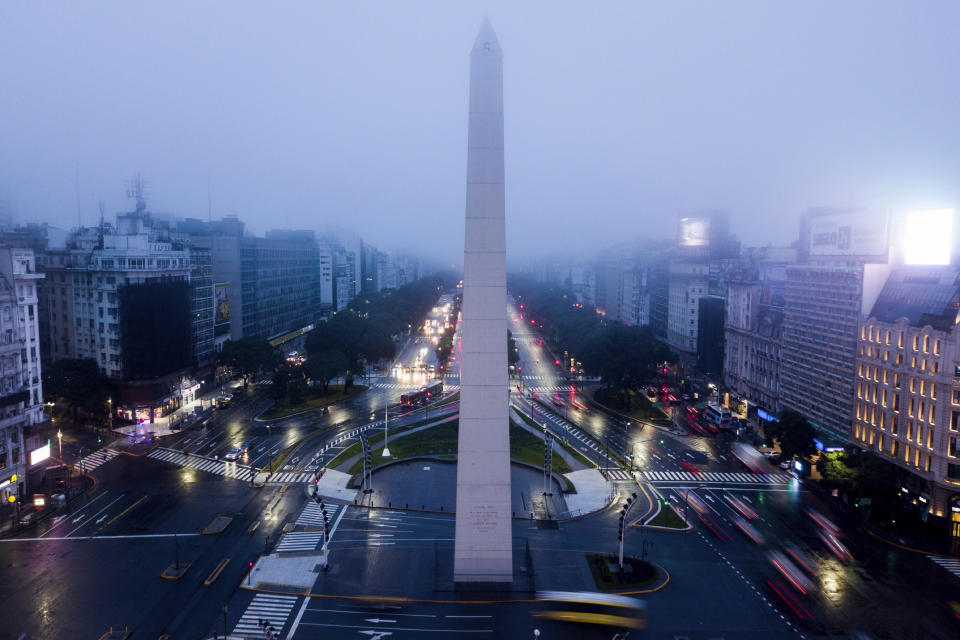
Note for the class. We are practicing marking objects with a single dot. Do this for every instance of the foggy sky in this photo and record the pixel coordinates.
(618, 115)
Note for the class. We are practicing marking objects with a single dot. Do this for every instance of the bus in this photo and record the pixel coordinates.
(421, 395)
(717, 416)
(592, 608)
(434, 389)
(413, 398)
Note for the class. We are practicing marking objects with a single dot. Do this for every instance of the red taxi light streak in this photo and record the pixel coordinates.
(795, 605)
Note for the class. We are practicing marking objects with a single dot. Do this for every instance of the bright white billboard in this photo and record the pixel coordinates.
(861, 233)
(39, 455)
(928, 237)
(694, 232)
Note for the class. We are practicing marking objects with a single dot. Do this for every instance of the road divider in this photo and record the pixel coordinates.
(216, 572)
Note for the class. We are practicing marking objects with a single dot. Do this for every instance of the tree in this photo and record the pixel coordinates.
(325, 366)
(795, 435)
(79, 384)
(837, 472)
(248, 355)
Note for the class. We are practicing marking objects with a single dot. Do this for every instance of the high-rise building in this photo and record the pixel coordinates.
(907, 393)
(825, 297)
(264, 287)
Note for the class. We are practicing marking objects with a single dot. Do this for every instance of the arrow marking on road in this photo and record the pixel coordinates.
(378, 621)
(375, 635)
(102, 518)
(77, 519)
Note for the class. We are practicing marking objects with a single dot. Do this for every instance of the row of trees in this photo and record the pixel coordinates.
(367, 332)
(624, 357)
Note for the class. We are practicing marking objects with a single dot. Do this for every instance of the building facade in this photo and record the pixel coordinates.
(752, 333)
(907, 402)
(21, 391)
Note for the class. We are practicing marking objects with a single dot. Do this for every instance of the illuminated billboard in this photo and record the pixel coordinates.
(928, 237)
(39, 455)
(694, 232)
(860, 233)
(221, 303)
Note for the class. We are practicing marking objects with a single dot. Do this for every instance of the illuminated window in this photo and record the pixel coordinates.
(896, 402)
(929, 438)
(874, 395)
(863, 332)
(876, 374)
(859, 417)
(883, 398)
(894, 448)
(926, 464)
(923, 387)
(879, 441)
(916, 457)
(909, 431)
(920, 412)
(894, 427)
(888, 337)
(885, 378)
(936, 347)
(883, 420)
(933, 391)
(860, 369)
(916, 343)
(954, 421)
(873, 435)
(923, 364)
(886, 356)
(930, 415)
(900, 339)
(956, 396)
(926, 343)
(860, 390)
(910, 408)
(913, 362)
(913, 385)
(899, 359)
(896, 379)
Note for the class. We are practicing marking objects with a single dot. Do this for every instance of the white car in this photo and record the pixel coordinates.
(233, 454)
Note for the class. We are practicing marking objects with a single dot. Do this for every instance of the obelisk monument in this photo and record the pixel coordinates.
(483, 550)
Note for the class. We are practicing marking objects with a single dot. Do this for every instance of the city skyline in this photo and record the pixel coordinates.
(631, 117)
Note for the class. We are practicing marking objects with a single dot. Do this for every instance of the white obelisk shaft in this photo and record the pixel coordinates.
(484, 546)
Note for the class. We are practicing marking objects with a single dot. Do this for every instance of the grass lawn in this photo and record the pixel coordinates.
(568, 448)
(636, 573)
(640, 407)
(441, 440)
(313, 400)
(668, 518)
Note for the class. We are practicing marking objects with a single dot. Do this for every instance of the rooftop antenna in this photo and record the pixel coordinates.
(77, 175)
(137, 189)
(102, 206)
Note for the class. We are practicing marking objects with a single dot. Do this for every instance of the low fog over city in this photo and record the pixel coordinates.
(399, 320)
(626, 115)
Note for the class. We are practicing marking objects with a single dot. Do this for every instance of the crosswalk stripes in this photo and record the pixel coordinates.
(290, 477)
(312, 517)
(95, 459)
(300, 541)
(561, 388)
(950, 564)
(275, 609)
(726, 477)
(617, 474)
(202, 463)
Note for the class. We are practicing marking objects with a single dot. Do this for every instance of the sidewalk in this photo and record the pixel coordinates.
(181, 418)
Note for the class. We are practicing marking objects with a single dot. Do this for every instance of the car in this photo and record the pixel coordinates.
(245, 447)
(233, 454)
(784, 464)
(689, 466)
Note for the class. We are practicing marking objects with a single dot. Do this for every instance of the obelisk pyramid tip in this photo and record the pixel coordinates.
(486, 39)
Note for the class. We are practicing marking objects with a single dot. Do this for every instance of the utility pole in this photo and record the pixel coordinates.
(621, 529)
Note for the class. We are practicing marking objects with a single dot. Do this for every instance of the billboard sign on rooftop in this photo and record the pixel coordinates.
(860, 233)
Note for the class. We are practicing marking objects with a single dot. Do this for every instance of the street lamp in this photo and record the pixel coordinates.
(269, 444)
(386, 432)
(60, 444)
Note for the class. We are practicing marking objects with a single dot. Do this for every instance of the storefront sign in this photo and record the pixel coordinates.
(39, 455)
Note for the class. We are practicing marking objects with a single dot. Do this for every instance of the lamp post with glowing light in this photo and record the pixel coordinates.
(386, 431)
(60, 444)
